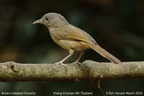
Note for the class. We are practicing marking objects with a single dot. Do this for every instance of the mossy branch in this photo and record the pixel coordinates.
(88, 70)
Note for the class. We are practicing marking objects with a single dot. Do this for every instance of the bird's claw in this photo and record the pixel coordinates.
(60, 63)
(76, 62)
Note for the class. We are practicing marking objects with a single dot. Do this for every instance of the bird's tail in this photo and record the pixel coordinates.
(105, 54)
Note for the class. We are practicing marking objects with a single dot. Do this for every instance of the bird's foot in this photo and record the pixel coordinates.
(60, 63)
(76, 62)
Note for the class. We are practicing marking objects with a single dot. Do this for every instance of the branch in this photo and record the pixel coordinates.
(88, 70)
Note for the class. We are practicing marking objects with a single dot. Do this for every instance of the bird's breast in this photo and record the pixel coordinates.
(71, 44)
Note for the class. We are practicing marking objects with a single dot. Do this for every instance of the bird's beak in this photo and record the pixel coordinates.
(38, 21)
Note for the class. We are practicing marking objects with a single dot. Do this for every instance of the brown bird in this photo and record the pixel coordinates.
(71, 38)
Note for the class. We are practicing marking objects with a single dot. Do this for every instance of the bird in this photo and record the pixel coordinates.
(71, 37)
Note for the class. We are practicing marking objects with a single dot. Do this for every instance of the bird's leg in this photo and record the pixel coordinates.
(82, 52)
(70, 54)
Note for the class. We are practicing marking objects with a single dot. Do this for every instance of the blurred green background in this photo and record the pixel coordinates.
(117, 25)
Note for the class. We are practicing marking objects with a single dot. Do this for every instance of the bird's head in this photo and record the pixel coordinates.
(52, 20)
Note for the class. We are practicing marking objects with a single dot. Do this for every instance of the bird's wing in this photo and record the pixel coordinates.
(71, 32)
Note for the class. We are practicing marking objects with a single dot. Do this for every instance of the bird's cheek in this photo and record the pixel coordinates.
(45, 23)
(48, 24)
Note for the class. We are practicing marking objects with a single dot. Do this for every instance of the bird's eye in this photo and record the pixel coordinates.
(46, 18)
